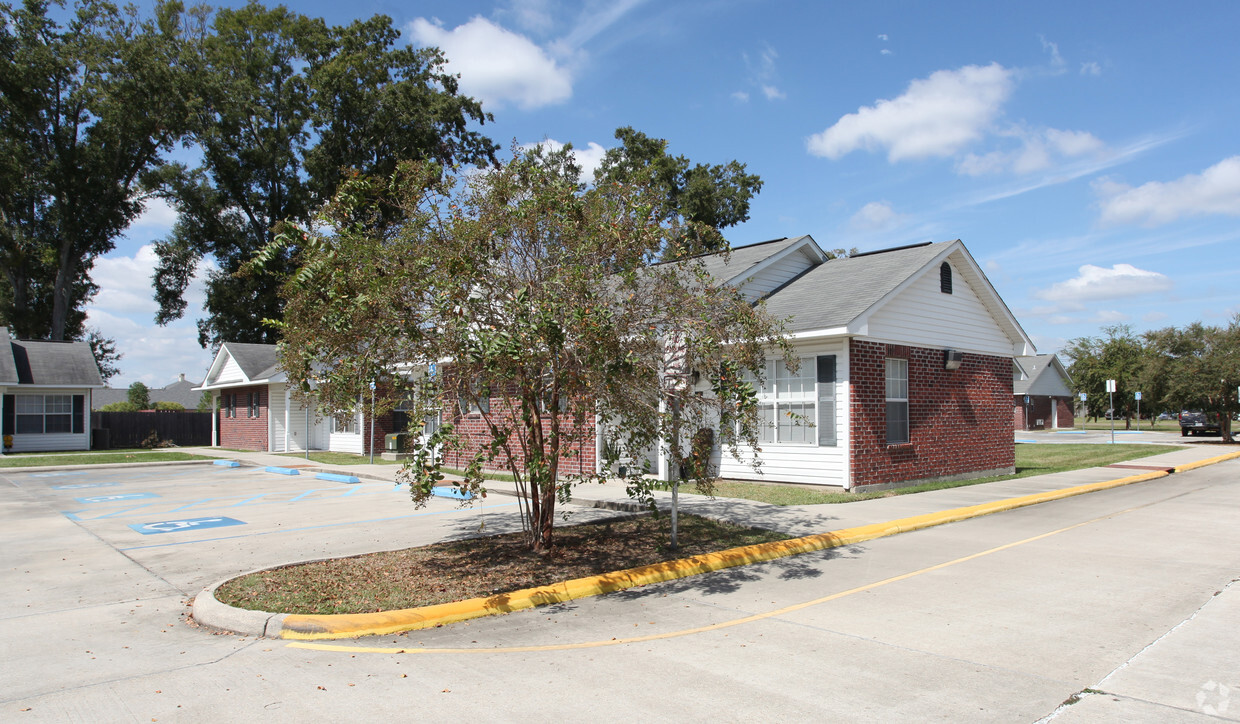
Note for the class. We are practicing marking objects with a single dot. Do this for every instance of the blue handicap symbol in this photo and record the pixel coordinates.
(172, 526)
(77, 486)
(120, 496)
(55, 475)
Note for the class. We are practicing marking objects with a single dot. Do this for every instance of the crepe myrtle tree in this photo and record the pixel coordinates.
(544, 309)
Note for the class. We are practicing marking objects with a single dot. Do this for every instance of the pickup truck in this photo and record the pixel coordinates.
(1197, 423)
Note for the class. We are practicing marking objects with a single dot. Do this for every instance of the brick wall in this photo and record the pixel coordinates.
(1039, 408)
(580, 458)
(244, 432)
(960, 421)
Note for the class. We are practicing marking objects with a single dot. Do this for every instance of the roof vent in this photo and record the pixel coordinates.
(945, 278)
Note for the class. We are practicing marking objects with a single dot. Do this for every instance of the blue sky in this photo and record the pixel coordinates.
(1087, 154)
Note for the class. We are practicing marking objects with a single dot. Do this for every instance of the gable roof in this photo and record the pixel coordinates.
(47, 364)
(837, 296)
(742, 262)
(1044, 375)
(182, 392)
(256, 362)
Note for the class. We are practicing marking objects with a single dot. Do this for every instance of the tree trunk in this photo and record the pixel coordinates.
(61, 303)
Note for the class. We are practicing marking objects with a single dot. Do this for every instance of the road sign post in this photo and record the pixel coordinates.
(1111, 405)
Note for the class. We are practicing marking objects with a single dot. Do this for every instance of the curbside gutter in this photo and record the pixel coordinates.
(338, 626)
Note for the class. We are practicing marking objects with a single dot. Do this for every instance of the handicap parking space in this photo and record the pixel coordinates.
(194, 525)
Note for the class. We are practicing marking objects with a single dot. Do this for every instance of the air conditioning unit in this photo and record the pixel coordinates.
(952, 359)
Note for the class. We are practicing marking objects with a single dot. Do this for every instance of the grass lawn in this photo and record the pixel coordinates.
(459, 570)
(1031, 459)
(1157, 425)
(339, 458)
(24, 460)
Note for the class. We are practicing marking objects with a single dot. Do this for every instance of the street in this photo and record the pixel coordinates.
(1128, 592)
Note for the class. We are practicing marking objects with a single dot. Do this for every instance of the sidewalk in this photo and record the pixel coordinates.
(796, 520)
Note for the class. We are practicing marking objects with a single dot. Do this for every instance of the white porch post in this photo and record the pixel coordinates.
(288, 394)
(3, 393)
(664, 461)
(215, 419)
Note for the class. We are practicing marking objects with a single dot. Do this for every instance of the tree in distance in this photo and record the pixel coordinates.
(551, 306)
(139, 396)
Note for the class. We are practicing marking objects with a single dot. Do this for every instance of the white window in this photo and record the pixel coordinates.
(897, 401)
(347, 425)
(797, 408)
(39, 414)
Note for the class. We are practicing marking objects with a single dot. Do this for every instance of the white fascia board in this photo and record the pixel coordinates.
(823, 333)
(235, 383)
(19, 389)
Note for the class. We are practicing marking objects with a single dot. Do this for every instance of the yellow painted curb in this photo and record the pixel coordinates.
(337, 626)
(1207, 461)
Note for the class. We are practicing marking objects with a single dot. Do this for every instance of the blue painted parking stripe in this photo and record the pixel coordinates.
(331, 494)
(247, 500)
(177, 526)
(114, 498)
(191, 504)
(123, 510)
(314, 527)
(338, 478)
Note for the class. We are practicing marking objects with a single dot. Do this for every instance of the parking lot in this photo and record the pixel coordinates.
(1127, 591)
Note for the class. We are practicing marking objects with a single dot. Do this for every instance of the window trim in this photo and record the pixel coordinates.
(892, 436)
(809, 400)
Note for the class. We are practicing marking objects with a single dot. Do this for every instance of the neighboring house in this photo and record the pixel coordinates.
(254, 409)
(45, 392)
(182, 392)
(906, 359)
(1041, 393)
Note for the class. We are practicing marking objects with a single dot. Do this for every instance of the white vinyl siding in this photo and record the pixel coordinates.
(231, 372)
(346, 436)
(275, 409)
(923, 316)
(815, 464)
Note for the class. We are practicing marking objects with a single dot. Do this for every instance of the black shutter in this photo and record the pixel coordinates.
(10, 415)
(826, 400)
(79, 414)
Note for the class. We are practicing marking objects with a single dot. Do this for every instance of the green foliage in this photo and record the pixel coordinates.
(104, 351)
(86, 110)
(1119, 356)
(709, 198)
(206, 401)
(140, 396)
(121, 407)
(1197, 367)
(171, 406)
(549, 301)
(290, 108)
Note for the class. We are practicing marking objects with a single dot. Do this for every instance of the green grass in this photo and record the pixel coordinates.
(1159, 425)
(84, 458)
(339, 458)
(1031, 459)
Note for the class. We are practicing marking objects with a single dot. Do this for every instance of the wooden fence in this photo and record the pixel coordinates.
(132, 429)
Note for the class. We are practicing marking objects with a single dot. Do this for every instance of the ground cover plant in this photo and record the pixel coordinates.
(464, 569)
(126, 456)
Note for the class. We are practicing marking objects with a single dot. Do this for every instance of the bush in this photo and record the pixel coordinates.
(169, 406)
(120, 407)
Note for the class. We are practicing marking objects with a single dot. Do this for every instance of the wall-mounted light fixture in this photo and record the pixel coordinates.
(952, 359)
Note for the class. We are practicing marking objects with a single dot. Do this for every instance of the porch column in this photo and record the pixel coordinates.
(215, 419)
(288, 391)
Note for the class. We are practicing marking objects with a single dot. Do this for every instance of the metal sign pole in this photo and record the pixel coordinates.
(372, 422)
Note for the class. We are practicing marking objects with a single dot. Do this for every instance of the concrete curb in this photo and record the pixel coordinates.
(208, 611)
(337, 626)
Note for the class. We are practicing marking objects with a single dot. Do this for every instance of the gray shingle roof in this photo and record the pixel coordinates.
(66, 364)
(1044, 377)
(744, 258)
(257, 361)
(181, 392)
(838, 291)
(8, 370)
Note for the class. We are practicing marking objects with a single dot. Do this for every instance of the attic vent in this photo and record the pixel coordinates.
(945, 278)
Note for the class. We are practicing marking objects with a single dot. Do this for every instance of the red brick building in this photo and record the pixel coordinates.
(1041, 394)
(906, 375)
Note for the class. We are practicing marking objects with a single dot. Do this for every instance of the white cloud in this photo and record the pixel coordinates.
(156, 213)
(740, 97)
(1040, 149)
(936, 116)
(762, 74)
(1091, 68)
(1095, 283)
(874, 216)
(533, 15)
(882, 37)
(1057, 61)
(497, 65)
(589, 158)
(1213, 191)
(124, 310)
(1153, 317)
(884, 51)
